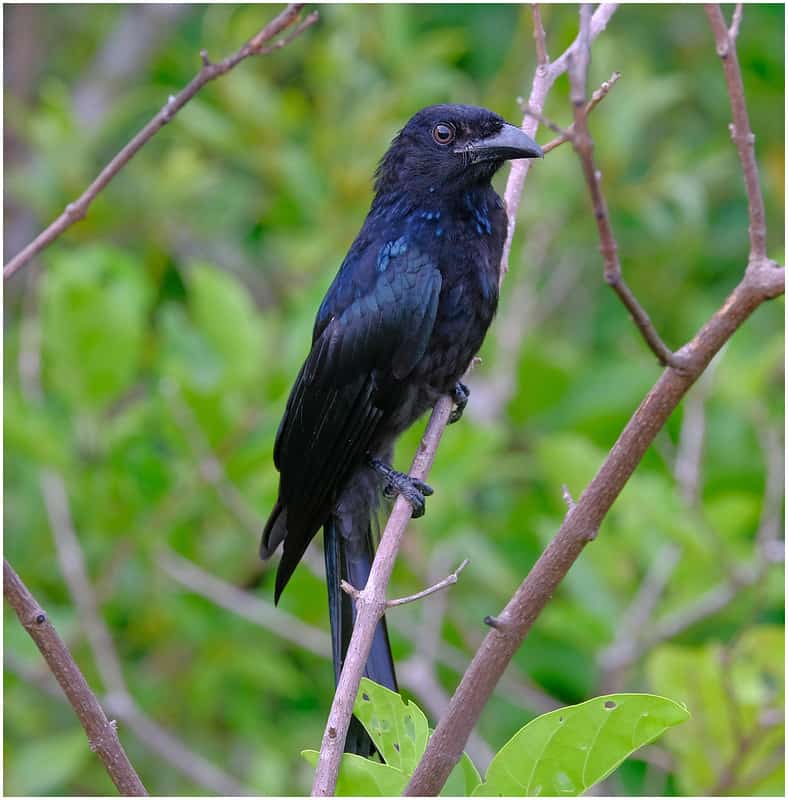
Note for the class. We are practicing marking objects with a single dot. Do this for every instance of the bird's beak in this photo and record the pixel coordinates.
(510, 142)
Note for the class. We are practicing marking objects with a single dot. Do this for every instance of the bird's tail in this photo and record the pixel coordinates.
(349, 558)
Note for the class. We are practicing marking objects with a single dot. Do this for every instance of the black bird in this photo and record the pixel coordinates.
(397, 329)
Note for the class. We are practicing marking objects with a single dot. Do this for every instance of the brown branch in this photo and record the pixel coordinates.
(579, 527)
(545, 77)
(742, 135)
(78, 209)
(596, 99)
(449, 580)
(118, 699)
(762, 280)
(584, 147)
(102, 733)
(542, 59)
(370, 605)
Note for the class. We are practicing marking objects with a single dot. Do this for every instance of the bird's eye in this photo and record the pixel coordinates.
(443, 133)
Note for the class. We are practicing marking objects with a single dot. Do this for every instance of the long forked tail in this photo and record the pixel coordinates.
(350, 559)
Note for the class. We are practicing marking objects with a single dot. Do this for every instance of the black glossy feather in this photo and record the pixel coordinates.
(398, 327)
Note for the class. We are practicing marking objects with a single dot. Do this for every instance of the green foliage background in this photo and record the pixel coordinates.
(175, 317)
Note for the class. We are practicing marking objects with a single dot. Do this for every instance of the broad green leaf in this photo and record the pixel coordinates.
(95, 302)
(224, 313)
(462, 781)
(570, 749)
(399, 730)
(362, 777)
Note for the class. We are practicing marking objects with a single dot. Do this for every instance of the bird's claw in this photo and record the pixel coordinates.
(412, 489)
(459, 394)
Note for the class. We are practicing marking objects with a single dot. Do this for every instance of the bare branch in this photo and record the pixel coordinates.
(543, 81)
(102, 733)
(449, 580)
(78, 209)
(584, 147)
(733, 31)
(542, 59)
(596, 98)
(246, 605)
(118, 700)
(741, 133)
(370, 605)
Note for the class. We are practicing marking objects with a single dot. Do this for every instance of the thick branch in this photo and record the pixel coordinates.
(579, 527)
(78, 209)
(741, 133)
(102, 734)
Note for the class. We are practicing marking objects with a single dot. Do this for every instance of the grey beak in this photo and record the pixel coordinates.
(510, 142)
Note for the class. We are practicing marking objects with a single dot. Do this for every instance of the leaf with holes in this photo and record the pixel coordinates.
(398, 729)
(568, 750)
(362, 777)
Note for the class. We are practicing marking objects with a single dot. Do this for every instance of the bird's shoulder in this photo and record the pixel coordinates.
(387, 263)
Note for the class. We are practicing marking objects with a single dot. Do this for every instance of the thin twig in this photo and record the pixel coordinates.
(542, 59)
(584, 147)
(596, 98)
(741, 133)
(449, 580)
(101, 732)
(370, 605)
(444, 583)
(565, 493)
(543, 81)
(78, 209)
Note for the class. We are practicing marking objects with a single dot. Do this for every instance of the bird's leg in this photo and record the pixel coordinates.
(412, 489)
(459, 394)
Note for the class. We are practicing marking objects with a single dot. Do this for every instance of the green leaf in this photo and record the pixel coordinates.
(750, 691)
(568, 750)
(224, 313)
(47, 765)
(462, 781)
(361, 777)
(95, 302)
(399, 730)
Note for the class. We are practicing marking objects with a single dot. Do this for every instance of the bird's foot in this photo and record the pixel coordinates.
(412, 489)
(459, 394)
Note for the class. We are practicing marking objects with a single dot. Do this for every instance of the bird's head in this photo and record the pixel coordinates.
(451, 147)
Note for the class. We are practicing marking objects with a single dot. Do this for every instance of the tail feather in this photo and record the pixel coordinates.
(352, 563)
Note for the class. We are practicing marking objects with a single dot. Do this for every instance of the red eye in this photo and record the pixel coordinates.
(443, 133)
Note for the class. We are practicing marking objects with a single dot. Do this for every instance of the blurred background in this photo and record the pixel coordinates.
(148, 354)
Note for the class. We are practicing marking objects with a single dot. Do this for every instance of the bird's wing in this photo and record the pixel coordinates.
(334, 407)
